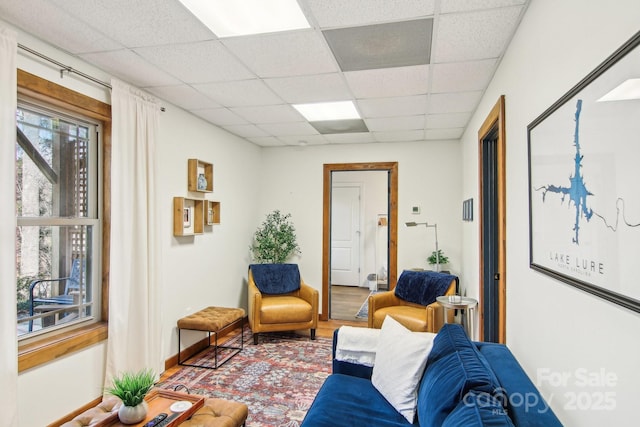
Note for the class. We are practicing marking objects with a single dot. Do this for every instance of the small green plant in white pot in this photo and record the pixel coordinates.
(131, 388)
(275, 241)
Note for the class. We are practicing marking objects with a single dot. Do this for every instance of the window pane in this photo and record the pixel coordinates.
(54, 280)
(52, 165)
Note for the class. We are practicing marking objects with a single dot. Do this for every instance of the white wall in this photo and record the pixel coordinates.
(552, 327)
(429, 176)
(199, 271)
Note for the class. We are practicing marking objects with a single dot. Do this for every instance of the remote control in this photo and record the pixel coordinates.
(167, 420)
(156, 420)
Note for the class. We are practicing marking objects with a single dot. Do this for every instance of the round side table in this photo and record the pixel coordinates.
(466, 304)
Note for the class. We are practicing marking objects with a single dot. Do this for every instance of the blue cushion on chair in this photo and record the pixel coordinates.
(276, 278)
(422, 287)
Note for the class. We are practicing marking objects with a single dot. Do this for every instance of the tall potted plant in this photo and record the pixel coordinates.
(131, 388)
(275, 241)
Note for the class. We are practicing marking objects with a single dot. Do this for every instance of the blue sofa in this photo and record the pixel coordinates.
(465, 383)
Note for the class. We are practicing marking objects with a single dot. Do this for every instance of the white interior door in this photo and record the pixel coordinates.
(345, 235)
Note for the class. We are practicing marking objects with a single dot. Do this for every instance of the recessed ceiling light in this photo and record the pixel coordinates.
(627, 90)
(228, 18)
(321, 111)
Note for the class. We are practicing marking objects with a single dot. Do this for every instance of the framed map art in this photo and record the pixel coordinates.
(584, 172)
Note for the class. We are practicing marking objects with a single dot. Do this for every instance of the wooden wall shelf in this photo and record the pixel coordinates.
(212, 212)
(188, 216)
(195, 169)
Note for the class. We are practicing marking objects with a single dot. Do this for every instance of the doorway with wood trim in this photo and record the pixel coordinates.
(392, 170)
(492, 177)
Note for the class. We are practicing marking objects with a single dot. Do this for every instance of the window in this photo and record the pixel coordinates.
(58, 233)
(62, 193)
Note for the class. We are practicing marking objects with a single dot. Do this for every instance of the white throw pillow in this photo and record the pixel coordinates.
(401, 358)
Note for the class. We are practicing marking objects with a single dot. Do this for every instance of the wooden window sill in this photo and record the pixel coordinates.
(48, 349)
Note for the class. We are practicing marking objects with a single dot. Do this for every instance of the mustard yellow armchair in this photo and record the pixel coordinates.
(410, 302)
(279, 300)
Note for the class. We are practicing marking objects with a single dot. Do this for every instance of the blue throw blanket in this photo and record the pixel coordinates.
(422, 287)
(276, 278)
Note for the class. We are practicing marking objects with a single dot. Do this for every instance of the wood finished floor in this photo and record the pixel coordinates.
(346, 301)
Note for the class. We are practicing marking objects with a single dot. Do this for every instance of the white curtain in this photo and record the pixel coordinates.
(8, 324)
(135, 335)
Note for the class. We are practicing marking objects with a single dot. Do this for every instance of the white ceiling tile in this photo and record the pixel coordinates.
(246, 131)
(183, 95)
(350, 138)
(453, 120)
(268, 114)
(339, 13)
(449, 6)
(398, 136)
(240, 94)
(141, 22)
(128, 66)
(462, 76)
(76, 36)
(220, 116)
(432, 134)
(304, 140)
(460, 102)
(477, 35)
(308, 89)
(393, 107)
(266, 141)
(395, 123)
(293, 53)
(399, 81)
(289, 129)
(200, 62)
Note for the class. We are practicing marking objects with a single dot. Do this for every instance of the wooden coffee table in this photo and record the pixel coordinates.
(160, 401)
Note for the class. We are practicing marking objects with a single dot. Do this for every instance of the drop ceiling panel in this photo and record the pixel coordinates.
(305, 140)
(220, 116)
(246, 131)
(443, 134)
(201, 62)
(75, 35)
(268, 114)
(248, 83)
(266, 141)
(292, 53)
(393, 107)
(462, 76)
(454, 102)
(452, 120)
(478, 35)
(308, 89)
(341, 13)
(289, 129)
(240, 94)
(395, 123)
(406, 135)
(389, 45)
(449, 6)
(184, 95)
(398, 81)
(130, 67)
(350, 138)
(139, 23)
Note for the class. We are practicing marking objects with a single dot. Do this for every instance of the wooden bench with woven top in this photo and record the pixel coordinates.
(212, 320)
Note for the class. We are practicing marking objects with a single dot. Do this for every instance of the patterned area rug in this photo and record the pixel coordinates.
(277, 379)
